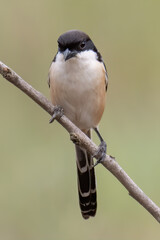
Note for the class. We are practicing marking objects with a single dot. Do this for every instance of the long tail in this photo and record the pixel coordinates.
(86, 183)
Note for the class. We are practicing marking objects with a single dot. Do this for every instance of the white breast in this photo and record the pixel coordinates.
(75, 86)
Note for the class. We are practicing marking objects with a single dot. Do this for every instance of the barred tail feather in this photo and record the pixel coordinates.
(86, 183)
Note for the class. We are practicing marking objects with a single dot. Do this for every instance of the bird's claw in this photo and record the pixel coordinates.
(57, 114)
(101, 153)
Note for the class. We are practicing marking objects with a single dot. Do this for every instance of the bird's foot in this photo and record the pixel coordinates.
(101, 153)
(57, 114)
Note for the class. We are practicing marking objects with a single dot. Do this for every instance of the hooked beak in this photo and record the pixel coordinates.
(69, 54)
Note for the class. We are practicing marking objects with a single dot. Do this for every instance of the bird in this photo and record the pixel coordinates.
(78, 83)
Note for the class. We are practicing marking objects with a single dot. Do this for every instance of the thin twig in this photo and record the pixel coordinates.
(78, 137)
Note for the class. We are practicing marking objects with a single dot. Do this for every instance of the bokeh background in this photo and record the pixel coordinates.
(38, 188)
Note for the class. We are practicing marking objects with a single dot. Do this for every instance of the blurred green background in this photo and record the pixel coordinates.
(38, 188)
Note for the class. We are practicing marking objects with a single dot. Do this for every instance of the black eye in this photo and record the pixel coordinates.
(82, 45)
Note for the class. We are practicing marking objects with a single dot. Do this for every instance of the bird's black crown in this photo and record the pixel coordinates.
(76, 40)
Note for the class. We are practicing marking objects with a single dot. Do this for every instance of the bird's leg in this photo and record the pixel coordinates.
(102, 149)
(57, 114)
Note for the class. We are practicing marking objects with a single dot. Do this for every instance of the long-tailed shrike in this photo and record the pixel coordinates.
(78, 83)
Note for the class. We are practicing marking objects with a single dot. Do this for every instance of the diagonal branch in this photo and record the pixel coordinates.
(78, 137)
